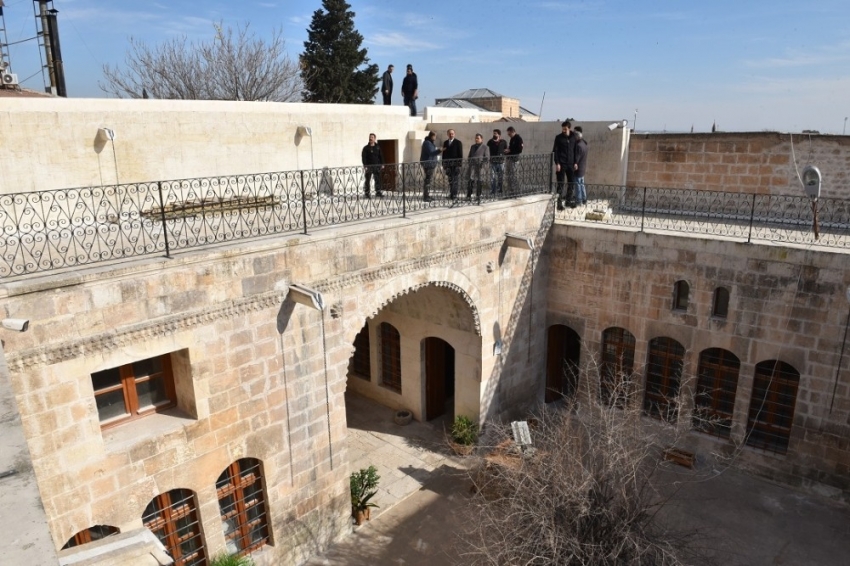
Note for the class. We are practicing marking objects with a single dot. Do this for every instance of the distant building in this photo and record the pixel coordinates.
(486, 100)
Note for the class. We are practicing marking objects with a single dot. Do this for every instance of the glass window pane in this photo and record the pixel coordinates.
(111, 405)
(151, 392)
(105, 379)
(147, 367)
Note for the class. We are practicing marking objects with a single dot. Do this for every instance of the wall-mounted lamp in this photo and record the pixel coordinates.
(514, 241)
(306, 296)
(16, 324)
(305, 131)
(621, 124)
(811, 178)
(497, 348)
(105, 134)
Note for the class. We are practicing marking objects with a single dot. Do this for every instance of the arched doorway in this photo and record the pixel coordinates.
(563, 352)
(439, 358)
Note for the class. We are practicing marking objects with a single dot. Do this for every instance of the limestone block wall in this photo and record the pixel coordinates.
(52, 143)
(257, 375)
(785, 303)
(753, 162)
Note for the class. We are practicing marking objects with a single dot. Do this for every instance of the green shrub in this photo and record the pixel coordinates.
(231, 560)
(364, 486)
(464, 431)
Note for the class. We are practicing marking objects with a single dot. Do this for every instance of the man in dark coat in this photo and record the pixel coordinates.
(513, 152)
(452, 161)
(410, 89)
(581, 165)
(428, 161)
(387, 85)
(479, 158)
(373, 162)
(564, 151)
(497, 147)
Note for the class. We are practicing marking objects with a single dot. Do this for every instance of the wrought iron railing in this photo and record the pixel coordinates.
(739, 216)
(47, 230)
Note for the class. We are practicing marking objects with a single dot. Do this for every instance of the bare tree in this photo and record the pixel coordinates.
(589, 490)
(232, 66)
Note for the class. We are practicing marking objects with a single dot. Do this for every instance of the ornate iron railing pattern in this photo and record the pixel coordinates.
(739, 216)
(47, 230)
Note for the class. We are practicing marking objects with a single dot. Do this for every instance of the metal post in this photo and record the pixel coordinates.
(752, 216)
(162, 218)
(303, 203)
(643, 210)
(403, 192)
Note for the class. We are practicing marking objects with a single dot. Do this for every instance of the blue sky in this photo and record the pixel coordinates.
(748, 65)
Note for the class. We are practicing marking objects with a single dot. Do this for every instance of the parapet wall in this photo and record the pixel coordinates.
(759, 162)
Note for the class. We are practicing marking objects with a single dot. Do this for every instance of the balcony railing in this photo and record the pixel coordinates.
(48, 230)
(737, 216)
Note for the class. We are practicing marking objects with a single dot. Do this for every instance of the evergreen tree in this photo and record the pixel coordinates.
(333, 66)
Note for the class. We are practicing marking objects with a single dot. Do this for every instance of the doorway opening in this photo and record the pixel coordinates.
(563, 353)
(439, 377)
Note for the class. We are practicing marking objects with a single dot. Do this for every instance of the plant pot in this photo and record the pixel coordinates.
(359, 517)
(462, 449)
(368, 513)
(402, 417)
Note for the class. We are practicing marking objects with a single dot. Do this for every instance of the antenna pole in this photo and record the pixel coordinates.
(540, 115)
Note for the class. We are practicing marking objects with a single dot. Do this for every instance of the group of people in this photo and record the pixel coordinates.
(570, 152)
(409, 88)
(485, 161)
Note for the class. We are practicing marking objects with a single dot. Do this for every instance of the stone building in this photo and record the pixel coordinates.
(198, 392)
(491, 105)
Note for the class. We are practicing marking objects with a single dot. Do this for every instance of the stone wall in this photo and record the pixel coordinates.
(786, 304)
(257, 375)
(761, 163)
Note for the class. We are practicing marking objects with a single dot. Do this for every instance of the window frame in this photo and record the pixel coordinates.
(128, 385)
(622, 343)
(166, 519)
(681, 294)
(85, 536)
(720, 304)
(234, 481)
(717, 385)
(390, 357)
(778, 379)
(669, 357)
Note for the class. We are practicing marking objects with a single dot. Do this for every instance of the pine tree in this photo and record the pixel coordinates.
(334, 68)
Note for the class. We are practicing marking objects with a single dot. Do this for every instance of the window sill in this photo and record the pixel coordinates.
(124, 436)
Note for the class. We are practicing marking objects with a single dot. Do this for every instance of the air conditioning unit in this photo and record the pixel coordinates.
(10, 79)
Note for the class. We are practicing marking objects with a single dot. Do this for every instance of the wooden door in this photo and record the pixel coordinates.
(389, 176)
(563, 352)
(439, 376)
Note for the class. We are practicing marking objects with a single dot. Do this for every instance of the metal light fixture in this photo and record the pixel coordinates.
(306, 296)
(305, 131)
(105, 134)
(521, 242)
(621, 124)
(16, 324)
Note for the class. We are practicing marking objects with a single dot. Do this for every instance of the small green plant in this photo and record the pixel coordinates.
(364, 486)
(464, 431)
(231, 560)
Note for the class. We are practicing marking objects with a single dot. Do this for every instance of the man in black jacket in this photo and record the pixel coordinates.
(497, 147)
(452, 161)
(387, 85)
(373, 162)
(513, 152)
(410, 90)
(564, 152)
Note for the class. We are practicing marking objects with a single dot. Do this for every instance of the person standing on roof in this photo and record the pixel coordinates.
(581, 165)
(410, 89)
(387, 85)
(512, 160)
(564, 153)
(497, 147)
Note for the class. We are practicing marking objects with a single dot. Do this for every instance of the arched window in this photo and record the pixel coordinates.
(772, 406)
(681, 290)
(563, 353)
(91, 534)
(663, 374)
(618, 361)
(720, 308)
(173, 518)
(361, 365)
(714, 399)
(242, 502)
(390, 357)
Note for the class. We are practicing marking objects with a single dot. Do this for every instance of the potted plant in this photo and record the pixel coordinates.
(231, 560)
(364, 486)
(464, 435)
